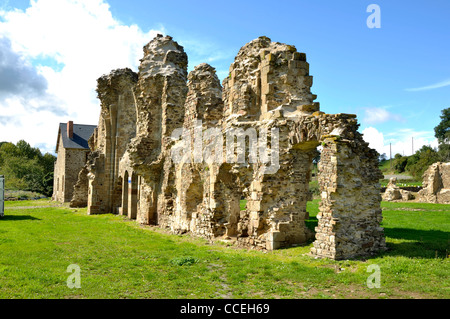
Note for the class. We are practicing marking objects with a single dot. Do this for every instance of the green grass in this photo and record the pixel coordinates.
(401, 183)
(120, 259)
(30, 203)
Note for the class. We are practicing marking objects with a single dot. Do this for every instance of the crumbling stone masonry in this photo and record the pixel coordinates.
(436, 184)
(117, 125)
(181, 151)
(393, 192)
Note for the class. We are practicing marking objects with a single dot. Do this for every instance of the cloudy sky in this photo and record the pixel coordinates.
(396, 78)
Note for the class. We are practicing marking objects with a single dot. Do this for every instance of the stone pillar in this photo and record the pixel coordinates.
(350, 213)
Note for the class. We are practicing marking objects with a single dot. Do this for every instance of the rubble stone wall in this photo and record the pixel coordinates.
(81, 189)
(436, 184)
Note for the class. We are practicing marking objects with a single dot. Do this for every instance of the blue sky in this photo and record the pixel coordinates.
(395, 78)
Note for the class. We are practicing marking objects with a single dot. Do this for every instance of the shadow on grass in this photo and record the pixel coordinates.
(416, 234)
(18, 217)
(422, 243)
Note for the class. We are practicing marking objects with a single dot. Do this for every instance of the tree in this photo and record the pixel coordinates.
(400, 163)
(444, 152)
(421, 160)
(442, 130)
(25, 167)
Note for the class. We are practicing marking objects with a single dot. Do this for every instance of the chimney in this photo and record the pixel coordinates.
(70, 129)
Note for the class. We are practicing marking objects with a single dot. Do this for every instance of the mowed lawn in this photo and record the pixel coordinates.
(118, 258)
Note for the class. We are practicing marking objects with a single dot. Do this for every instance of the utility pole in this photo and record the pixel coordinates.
(390, 154)
(412, 145)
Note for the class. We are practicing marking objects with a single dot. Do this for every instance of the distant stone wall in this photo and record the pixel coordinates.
(436, 184)
(406, 188)
(81, 189)
(75, 159)
(196, 148)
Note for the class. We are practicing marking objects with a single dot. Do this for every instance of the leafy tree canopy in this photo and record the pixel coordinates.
(25, 168)
(442, 130)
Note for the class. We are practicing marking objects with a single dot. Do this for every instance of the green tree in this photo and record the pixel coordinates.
(444, 152)
(400, 163)
(25, 168)
(442, 130)
(442, 133)
(25, 150)
(421, 160)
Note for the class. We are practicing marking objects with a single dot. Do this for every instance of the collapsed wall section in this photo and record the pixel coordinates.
(436, 184)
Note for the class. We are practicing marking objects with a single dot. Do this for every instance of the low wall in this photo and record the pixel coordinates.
(406, 188)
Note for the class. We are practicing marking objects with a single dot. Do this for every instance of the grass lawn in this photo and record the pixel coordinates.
(120, 259)
(401, 183)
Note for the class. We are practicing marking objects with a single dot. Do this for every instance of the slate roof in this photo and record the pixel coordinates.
(81, 135)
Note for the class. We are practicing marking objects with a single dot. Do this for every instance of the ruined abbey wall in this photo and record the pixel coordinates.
(181, 151)
(117, 125)
(436, 184)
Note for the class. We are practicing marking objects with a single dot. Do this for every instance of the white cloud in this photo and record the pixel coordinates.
(403, 141)
(374, 138)
(431, 87)
(204, 50)
(375, 115)
(87, 41)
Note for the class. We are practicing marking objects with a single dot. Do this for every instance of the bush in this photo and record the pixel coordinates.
(25, 168)
(421, 160)
(400, 163)
(183, 261)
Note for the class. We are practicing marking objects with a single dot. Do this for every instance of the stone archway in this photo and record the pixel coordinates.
(227, 193)
(194, 195)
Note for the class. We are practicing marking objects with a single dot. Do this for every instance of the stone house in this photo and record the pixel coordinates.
(72, 150)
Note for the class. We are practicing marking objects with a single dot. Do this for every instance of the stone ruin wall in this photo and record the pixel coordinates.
(436, 184)
(117, 125)
(132, 169)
